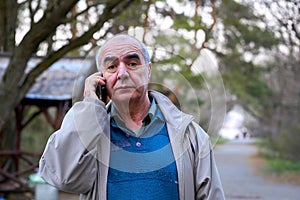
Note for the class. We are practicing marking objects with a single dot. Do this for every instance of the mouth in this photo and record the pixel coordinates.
(125, 87)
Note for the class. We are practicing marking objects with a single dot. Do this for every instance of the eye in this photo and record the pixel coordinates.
(111, 68)
(132, 64)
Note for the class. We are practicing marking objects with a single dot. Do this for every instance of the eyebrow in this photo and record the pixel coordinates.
(110, 58)
(132, 56)
(113, 58)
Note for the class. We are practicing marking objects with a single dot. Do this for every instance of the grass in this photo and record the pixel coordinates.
(280, 165)
(275, 161)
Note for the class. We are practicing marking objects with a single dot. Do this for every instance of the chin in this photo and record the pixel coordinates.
(127, 97)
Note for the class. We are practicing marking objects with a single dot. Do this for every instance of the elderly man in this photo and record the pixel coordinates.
(138, 146)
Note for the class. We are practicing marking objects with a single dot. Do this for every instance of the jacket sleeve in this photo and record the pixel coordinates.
(69, 161)
(207, 180)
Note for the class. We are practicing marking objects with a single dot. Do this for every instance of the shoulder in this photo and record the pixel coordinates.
(168, 108)
(198, 138)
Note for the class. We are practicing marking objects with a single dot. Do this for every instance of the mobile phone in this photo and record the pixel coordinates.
(103, 93)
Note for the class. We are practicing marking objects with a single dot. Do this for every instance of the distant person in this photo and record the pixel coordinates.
(139, 146)
(245, 132)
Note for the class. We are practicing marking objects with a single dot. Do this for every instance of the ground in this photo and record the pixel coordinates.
(245, 175)
(260, 168)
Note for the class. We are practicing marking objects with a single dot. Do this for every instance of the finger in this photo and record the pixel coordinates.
(95, 79)
(91, 84)
(101, 80)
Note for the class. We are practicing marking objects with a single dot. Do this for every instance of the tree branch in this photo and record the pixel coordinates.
(214, 16)
(70, 19)
(112, 9)
(33, 11)
(294, 28)
(38, 33)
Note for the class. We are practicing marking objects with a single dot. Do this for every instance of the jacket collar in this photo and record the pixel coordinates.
(171, 113)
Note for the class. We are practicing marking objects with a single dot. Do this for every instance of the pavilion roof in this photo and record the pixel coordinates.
(55, 83)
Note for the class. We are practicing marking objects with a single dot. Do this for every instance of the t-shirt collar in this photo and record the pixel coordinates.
(150, 115)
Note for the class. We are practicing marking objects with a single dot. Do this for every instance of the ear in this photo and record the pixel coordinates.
(149, 70)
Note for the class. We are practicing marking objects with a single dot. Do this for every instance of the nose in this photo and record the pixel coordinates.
(122, 71)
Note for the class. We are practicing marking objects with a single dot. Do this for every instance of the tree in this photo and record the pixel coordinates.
(258, 51)
(16, 82)
(283, 77)
(182, 47)
(244, 41)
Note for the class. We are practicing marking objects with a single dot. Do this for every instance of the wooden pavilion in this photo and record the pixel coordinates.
(53, 90)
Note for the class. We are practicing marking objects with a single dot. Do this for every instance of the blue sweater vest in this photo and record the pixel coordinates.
(141, 168)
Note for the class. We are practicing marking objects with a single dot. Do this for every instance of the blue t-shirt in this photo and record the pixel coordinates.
(142, 167)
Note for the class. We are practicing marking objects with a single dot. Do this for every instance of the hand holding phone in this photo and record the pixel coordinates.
(95, 87)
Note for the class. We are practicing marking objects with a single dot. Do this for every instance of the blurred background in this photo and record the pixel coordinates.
(233, 64)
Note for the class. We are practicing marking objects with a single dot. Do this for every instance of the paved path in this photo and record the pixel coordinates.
(238, 179)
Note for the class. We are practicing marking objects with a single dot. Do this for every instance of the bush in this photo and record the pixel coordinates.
(276, 160)
(35, 135)
(279, 165)
(287, 143)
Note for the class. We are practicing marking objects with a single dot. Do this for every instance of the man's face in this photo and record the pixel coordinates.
(124, 68)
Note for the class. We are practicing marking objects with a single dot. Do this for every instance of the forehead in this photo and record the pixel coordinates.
(121, 46)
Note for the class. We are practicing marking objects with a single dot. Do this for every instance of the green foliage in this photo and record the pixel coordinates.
(287, 142)
(234, 10)
(248, 87)
(260, 37)
(282, 152)
(177, 51)
(133, 17)
(240, 73)
(242, 28)
(281, 165)
(35, 135)
(188, 23)
(181, 22)
(276, 161)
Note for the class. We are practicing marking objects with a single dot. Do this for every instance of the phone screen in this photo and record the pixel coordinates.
(103, 93)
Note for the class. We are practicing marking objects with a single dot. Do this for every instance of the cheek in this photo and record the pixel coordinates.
(142, 81)
(145, 78)
(110, 81)
(143, 75)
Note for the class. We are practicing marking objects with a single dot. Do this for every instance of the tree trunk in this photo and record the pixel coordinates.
(8, 24)
(8, 142)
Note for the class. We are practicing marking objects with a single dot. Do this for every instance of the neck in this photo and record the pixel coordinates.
(134, 111)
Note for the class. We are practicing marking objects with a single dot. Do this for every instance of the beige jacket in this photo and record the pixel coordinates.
(77, 155)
